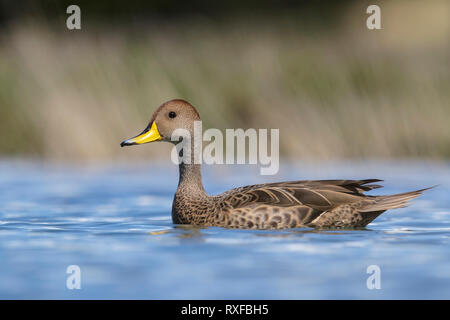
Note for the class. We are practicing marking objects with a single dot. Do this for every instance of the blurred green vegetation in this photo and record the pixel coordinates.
(339, 91)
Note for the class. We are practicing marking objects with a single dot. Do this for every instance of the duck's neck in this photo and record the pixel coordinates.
(191, 173)
(191, 179)
(191, 204)
(190, 201)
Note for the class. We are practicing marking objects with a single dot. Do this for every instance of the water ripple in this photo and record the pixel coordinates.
(117, 227)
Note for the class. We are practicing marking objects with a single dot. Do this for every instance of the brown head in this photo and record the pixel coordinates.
(172, 115)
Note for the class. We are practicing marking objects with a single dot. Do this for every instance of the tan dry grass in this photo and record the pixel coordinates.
(347, 93)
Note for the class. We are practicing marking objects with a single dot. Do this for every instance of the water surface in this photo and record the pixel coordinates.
(114, 223)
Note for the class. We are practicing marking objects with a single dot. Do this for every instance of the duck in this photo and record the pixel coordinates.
(318, 204)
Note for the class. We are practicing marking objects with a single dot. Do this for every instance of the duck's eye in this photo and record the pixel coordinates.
(172, 114)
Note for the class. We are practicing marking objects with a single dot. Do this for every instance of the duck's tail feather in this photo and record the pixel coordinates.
(394, 201)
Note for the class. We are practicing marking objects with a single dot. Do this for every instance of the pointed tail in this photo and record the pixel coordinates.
(393, 201)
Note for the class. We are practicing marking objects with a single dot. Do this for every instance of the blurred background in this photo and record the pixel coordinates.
(350, 103)
(334, 88)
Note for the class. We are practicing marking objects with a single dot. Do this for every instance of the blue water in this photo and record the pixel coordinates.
(114, 223)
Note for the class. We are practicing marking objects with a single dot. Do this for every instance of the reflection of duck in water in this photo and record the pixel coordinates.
(318, 204)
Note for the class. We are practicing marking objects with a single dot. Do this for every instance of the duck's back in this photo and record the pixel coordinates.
(320, 204)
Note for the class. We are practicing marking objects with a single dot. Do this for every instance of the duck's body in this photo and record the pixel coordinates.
(318, 204)
(294, 204)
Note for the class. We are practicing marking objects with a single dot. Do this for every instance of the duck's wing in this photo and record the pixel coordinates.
(317, 194)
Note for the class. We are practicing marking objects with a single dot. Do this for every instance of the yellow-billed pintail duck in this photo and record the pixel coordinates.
(317, 204)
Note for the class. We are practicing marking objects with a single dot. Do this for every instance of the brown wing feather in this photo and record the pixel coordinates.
(317, 194)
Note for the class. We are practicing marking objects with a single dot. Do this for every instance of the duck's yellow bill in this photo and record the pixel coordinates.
(150, 134)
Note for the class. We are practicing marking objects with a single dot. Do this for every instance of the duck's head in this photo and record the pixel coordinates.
(172, 115)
